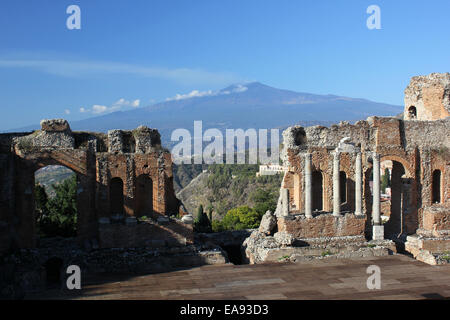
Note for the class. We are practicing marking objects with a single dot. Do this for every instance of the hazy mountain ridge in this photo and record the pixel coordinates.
(251, 105)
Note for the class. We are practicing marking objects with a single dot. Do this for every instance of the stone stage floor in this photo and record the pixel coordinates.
(401, 278)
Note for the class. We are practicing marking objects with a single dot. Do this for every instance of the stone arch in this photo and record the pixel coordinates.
(116, 197)
(402, 208)
(405, 163)
(26, 166)
(144, 196)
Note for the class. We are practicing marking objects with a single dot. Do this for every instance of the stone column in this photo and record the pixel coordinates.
(285, 202)
(378, 228)
(358, 185)
(308, 186)
(336, 185)
(376, 189)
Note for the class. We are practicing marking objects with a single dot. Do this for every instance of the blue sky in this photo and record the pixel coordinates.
(130, 54)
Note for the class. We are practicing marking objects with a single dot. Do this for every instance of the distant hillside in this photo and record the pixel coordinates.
(51, 175)
(252, 105)
(226, 187)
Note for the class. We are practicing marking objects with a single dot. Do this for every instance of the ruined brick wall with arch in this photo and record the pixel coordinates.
(418, 150)
(110, 169)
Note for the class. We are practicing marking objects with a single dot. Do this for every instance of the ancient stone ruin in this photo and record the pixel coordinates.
(121, 176)
(331, 190)
(330, 200)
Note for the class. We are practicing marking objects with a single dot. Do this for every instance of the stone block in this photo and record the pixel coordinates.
(188, 219)
(284, 238)
(268, 223)
(55, 125)
(378, 232)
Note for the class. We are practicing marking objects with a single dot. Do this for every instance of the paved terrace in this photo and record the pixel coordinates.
(401, 278)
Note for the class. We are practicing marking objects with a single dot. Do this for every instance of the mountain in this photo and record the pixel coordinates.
(251, 105)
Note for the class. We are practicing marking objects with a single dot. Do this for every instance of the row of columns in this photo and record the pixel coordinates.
(336, 186)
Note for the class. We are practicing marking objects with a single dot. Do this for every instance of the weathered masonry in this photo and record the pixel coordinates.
(332, 185)
(121, 176)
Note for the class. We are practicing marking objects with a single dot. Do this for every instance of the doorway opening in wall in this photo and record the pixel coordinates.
(317, 194)
(116, 198)
(55, 203)
(395, 187)
(386, 190)
(436, 186)
(144, 196)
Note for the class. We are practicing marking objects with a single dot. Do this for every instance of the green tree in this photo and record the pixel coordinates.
(217, 226)
(60, 217)
(210, 213)
(241, 218)
(385, 180)
(264, 200)
(40, 198)
(202, 223)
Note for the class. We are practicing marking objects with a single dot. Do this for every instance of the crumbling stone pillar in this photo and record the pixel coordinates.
(285, 202)
(308, 186)
(336, 186)
(115, 141)
(358, 185)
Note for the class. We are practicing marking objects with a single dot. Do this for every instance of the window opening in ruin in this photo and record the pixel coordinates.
(436, 186)
(412, 112)
(55, 202)
(116, 196)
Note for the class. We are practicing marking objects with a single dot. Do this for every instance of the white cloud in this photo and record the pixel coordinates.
(196, 93)
(116, 106)
(125, 103)
(67, 111)
(96, 109)
(239, 88)
(192, 94)
(136, 103)
(68, 68)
